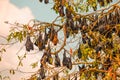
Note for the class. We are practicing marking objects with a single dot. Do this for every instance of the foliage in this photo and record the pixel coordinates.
(97, 53)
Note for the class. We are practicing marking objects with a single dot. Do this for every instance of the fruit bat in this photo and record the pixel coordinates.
(75, 77)
(51, 33)
(40, 0)
(68, 14)
(42, 72)
(67, 30)
(39, 42)
(79, 53)
(55, 39)
(46, 1)
(64, 58)
(61, 10)
(109, 45)
(101, 2)
(57, 60)
(29, 44)
(71, 23)
(44, 58)
(45, 37)
(49, 57)
(83, 40)
(67, 34)
(108, 62)
(98, 48)
(67, 61)
(89, 42)
(108, 1)
(117, 16)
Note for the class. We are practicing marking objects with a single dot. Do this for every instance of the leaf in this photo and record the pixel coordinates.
(76, 9)
(25, 55)
(19, 57)
(62, 78)
(62, 19)
(50, 60)
(15, 34)
(0, 77)
(82, 77)
(20, 37)
(87, 8)
(66, 71)
(34, 65)
(12, 71)
(9, 37)
(3, 49)
(24, 33)
(0, 59)
(20, 63)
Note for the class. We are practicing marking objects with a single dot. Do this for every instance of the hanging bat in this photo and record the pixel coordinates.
(55, 39)
(29, 44)
(61, 10)
(79, 53)
(67, 61)
(57, 60)
(46, 1)
(39, 42)
(42, 72)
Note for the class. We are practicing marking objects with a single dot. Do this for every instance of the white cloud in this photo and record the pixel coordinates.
(11, 13)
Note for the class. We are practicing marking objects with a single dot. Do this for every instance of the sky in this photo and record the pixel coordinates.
(21, 11)
(39, 10)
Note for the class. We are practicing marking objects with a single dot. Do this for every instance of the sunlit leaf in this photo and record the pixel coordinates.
(10, 36)
(25, 55)
(34, 65)
(12, 71)
(0, 58)
(19, 57)
(0, 77)
(20, 63)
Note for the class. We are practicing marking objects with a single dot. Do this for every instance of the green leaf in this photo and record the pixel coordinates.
(20, 64)
(24, 33)
(76, 9)
(0, 59)
(82, 77)
(87, 8)
(20, 37)
(9, 37)
(3, 49)
(15, 34)
(62, 78)
(0, 77)
(19, 57)
(50, 60)
(24, 55)
(34, 65)
(12, 71)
